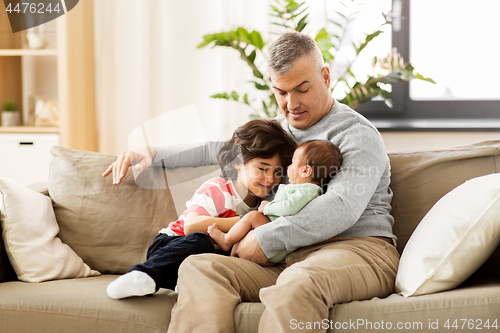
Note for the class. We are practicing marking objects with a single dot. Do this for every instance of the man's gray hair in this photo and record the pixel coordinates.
(289, 48)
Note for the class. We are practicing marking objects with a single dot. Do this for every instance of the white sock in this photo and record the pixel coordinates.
(135, 283)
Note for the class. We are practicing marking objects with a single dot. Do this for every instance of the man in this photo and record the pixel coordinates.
(343, 238)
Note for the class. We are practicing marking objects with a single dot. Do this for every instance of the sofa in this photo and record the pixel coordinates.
(110, 228)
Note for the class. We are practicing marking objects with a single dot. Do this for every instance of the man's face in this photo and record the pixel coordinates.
(303, 95)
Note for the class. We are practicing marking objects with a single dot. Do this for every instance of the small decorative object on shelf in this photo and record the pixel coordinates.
(46, 112)
(35, 39)
(10, 114)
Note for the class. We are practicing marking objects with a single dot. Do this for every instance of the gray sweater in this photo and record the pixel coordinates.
(357, 200)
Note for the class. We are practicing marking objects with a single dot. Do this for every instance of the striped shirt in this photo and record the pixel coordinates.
(216, 197)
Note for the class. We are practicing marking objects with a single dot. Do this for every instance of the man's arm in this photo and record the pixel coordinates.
(188, 154)
(167, 155)
(347, 197)
(139, 158)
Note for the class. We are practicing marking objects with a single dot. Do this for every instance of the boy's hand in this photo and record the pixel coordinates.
(262, 205)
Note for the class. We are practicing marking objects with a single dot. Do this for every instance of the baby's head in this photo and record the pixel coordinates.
(315, 161)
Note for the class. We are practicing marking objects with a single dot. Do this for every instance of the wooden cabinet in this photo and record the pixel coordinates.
(62, 71)
(28, 73)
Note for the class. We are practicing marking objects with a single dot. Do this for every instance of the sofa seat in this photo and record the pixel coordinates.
(477, 300)
(80, 305)
(49, 308)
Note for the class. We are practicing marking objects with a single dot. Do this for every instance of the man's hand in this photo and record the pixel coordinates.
(249, 248)
(139, 158)
(262, 205)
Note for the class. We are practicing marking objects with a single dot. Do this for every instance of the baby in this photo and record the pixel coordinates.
(314, 163)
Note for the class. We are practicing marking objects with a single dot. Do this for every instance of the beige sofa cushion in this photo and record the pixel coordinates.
(109, 226)
(419, 179)
(80, 305)
(474, 304)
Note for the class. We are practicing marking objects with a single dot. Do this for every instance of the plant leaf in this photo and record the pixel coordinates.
(252, 56)
(282, 25)
(243, 35)
(257, 40)
(368, 39)
(336, 23)
(300, 13)
(302, 24)
(266, 110)
(223, 95)
(324, 43)
(260, 86)
(341, 14)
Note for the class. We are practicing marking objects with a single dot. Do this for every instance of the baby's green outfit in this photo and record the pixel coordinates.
(289, 199)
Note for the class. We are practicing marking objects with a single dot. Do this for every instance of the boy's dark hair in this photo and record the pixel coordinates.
(262, 138)
(324, 157)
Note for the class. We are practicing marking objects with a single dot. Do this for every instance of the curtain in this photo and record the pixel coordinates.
(78, 130)
(147, 64)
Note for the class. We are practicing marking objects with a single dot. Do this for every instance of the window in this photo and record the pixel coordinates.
(452, 42)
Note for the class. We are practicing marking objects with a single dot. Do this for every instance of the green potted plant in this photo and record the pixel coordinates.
(10, 114)
(293, 15)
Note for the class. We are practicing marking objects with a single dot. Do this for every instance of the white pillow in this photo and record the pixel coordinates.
(29, 234)
(453, 239)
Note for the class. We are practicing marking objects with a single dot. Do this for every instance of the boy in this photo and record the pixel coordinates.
(314, 163)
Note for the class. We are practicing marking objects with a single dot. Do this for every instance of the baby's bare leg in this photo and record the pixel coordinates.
(237, 232)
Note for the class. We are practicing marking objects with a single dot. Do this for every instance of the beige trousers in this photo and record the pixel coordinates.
(302, 288)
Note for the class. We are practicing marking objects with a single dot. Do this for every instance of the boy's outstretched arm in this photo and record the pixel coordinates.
(195, 222)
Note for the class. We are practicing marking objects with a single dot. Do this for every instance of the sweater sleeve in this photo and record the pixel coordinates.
(291, 200)
(347, 196)
(188, 154)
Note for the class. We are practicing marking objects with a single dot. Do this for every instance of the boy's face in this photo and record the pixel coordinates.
(258, 176)
(296, 169)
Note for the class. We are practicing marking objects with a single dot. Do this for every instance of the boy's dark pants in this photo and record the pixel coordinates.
(167, 253)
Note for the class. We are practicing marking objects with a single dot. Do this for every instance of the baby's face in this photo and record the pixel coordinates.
(296, 169)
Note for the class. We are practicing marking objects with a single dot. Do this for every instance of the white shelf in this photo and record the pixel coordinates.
(28, 52)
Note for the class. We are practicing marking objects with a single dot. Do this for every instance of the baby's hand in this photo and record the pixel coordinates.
(262, 205)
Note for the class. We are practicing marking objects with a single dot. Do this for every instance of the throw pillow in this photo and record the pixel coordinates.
(29, 234)
(453, 239)
(109, 226)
